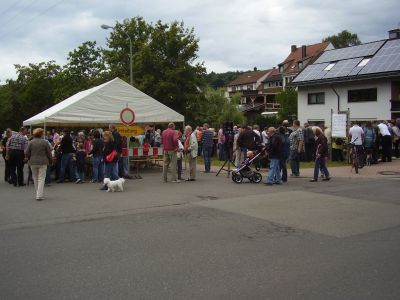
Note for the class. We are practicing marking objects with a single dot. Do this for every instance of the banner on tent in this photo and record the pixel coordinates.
(129, 131)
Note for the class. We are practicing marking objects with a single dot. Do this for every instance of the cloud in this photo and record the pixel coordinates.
(234, 35)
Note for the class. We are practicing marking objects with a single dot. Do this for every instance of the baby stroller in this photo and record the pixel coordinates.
(245, 171)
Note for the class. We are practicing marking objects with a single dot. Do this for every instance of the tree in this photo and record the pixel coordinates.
(343, 39)
(85, 69)
(33, 90)
(230, 112)
(219, 80)
(287, 100)
(164, 64)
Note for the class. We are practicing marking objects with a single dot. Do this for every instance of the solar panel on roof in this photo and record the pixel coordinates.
(385, 60)
(311, 72)
(350, 52)
(343, 68)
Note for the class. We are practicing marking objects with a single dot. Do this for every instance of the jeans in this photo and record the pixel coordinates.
(386, 148)
(125, 164)
(111, 171)
(221, 151)
(274, 174)
(17, 166)
(207, 158)
(66, 162)
(320, 164)
(179, 167)
(294, 162)
(7, 168)
(98, 168)
(48, 175)
(282, 165)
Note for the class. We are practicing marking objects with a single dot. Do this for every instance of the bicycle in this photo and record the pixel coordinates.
(355, 157)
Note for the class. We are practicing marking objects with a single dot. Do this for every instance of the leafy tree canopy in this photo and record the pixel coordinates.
(343, 39)
(287, 100)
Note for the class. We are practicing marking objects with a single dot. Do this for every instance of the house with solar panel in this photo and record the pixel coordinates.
(298, 59)
(363, 80)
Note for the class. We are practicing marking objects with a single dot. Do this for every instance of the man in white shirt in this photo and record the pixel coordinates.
(386, 141)
(356, 135)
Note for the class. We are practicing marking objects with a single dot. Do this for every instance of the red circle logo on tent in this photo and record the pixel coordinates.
(127, 116)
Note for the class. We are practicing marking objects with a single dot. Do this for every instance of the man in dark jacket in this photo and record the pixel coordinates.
(248, 139)
(275, 155)
(67, 150)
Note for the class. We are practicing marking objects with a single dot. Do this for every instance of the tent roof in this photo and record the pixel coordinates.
(102, 105)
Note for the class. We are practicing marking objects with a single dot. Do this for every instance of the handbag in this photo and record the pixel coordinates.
(111, 157)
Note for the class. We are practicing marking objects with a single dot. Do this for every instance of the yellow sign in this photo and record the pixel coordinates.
(130, 130)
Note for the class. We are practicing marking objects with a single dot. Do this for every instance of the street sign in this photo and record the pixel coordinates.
(129, 131)
(127, 116)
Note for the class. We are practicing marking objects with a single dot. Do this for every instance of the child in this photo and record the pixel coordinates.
(80, 163)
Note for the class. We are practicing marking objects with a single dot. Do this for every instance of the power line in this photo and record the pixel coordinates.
(17, 14)
(31, 19)
(10, 8)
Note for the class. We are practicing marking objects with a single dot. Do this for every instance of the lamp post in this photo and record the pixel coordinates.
(130, 51)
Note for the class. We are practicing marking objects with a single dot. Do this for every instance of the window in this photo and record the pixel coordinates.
(330, 66)
(363, 95)
(280, 69)
(300, 65)
(364, 62)
(249, 87)
(316, 98)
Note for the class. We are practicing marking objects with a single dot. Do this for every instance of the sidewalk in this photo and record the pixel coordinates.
(380, 170)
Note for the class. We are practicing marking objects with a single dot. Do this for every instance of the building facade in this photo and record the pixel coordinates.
(363, 80)
(256, 92)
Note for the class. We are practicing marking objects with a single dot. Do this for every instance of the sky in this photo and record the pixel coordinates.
(233, 34)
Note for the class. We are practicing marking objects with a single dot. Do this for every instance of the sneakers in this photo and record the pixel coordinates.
(78, 181)
(176, 181)
(326, 179)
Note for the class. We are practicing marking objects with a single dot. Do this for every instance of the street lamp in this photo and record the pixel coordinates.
(130, 50)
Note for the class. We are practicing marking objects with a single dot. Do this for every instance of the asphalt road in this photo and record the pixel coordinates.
(209, 239)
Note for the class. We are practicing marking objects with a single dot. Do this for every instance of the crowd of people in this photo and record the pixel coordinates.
(98, 154)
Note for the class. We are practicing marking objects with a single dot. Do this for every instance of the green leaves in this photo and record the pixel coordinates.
(164, 66)
(288, 104)
(343, 39)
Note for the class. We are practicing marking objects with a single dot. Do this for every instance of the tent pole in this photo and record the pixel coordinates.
(44, 126)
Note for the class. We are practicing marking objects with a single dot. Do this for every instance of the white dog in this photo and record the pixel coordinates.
(114, 185)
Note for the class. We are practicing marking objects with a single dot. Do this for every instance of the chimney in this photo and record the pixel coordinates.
(394, 33)
(293, 48)
(303, 51)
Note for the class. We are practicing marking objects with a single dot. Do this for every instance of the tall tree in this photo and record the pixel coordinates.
(85, 69)
(164, 61)
(33, 90)
(343, 39)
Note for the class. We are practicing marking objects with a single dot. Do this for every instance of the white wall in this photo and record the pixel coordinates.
(379, 110)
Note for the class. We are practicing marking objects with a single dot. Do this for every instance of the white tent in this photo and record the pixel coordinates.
(102, 105)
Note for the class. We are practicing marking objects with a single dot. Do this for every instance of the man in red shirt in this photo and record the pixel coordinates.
(169, 139)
